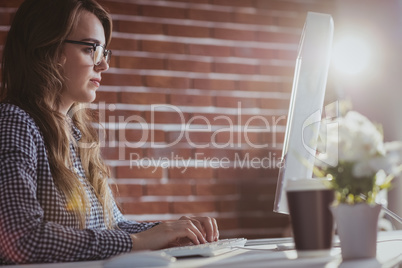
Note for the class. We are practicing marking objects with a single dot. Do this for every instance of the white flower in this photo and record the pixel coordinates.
(352, 138)
(351, 148)
(381, 176)
(358, 138)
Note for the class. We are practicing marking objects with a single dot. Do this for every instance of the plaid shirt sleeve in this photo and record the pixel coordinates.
(35, 226)
(131, 227)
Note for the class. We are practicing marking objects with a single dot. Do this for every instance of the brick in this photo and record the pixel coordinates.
(190, 173)
(228, 206)
(163, 12)
(272, 153)
(145, 208)
(129, 190)
(107, 97)
(189, 66)
(112, 115)
(6, 17)
(274, 4)
(123, 44)
(261, 221)
(121, 79)
(260, 86)
(110, 153)
(192, 1)
(256, 53)
(189, 31)
(168, 189)
(139, 172)
(276, 70)
(232, 3)
(142, 98)
(136, 137)
(209, 15)
(213, 119)
(190, 100)
(217, 189)
(114, 61)
(159, 117)
(214, 84)
(270, 173)
(277, 37)
(120, 8)
(273, 139)
(210, 50)
(141, 27)
(234, 34)
(199, 137)
(167, 82)
(163, 47)
(286, 55)
(141, 63)
(286, 87)
(274, 104)
(193, 207)
(3, 37)
(228, 223)
(219, 153)
(235, 68)
(255, 191)
(233, 138)
(242, 171)
(301, 7)
(268, 121)
(223, 101)
(248, 18)
(8, 3)
(224, 138)
(126, 153)
(171, 153)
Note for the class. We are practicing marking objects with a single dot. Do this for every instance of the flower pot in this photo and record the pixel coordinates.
(357, 229)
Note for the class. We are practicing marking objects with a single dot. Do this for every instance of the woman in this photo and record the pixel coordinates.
(55, 203)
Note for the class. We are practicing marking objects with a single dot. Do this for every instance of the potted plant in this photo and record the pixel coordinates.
(359, 164)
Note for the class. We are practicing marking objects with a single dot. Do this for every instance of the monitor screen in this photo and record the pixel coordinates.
(306, 103)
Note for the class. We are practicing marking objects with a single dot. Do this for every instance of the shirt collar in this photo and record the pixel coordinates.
(74, 129)
(76, 132)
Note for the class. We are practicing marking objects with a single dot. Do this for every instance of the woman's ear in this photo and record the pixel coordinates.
(62, 60)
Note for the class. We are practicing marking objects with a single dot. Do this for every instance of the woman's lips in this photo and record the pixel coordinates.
(96, 82)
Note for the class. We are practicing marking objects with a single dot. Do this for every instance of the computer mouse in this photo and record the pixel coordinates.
(140, 259)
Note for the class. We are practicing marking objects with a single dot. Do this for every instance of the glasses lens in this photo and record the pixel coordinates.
(98, 55)
(108, 56)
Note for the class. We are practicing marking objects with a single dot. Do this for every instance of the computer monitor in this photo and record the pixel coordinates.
(306, 103)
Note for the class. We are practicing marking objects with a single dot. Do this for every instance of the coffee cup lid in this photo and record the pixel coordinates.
(304, 184)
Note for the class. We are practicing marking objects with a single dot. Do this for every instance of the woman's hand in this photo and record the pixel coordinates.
(185, 231)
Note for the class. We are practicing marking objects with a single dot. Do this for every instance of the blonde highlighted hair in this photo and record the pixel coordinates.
(33, 79)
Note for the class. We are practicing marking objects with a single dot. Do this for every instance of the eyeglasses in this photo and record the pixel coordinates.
(98, 51)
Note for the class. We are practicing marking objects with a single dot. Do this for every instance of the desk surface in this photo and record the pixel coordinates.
(389, 254)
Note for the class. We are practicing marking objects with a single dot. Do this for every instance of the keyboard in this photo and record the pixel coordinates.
(208, 249)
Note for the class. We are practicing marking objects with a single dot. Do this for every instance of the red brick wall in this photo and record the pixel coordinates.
(195, 98)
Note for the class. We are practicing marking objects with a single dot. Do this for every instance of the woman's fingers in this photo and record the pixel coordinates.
(206, 225)
(197, 224)
(197, 230)
(209, 226)
(167, 234)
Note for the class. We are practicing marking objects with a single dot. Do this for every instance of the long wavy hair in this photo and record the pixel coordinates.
(32, 79)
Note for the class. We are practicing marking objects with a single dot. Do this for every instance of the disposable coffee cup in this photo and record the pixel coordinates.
(312, 221)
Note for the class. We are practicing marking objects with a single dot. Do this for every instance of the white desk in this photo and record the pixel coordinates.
(389, 254)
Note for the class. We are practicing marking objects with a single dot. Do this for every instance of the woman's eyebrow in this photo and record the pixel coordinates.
(93, 40)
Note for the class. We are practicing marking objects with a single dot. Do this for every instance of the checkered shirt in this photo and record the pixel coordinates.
(35, 226)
